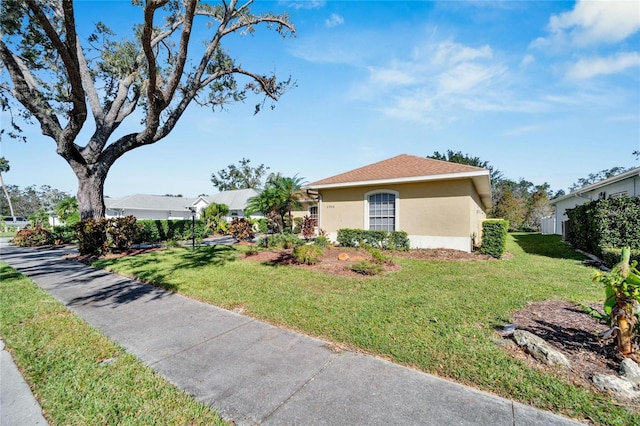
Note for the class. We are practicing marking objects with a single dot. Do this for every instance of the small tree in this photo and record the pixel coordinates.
(622, 295)
(280, 196)
(213, 214)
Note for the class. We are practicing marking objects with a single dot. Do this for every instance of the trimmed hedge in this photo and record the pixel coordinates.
(611, 256)
(394, 240)
(158, 231)
(494, 237)
(598, 225)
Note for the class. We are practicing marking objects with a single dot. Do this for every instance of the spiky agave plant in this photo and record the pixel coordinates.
(622, 292)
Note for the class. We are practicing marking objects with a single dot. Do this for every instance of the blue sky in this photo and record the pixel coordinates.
(548, 91)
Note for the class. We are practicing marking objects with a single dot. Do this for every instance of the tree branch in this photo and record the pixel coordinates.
(26, 91)
(182, 53)
(154, 96)
(67, 52)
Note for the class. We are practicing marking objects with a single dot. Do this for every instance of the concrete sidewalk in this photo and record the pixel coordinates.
(254, 373)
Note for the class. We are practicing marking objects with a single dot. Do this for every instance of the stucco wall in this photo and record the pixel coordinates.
(434, 214)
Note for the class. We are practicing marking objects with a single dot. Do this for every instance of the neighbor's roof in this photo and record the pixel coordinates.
(235, 199)
(149, 202)
(409, 168)
(594, 186)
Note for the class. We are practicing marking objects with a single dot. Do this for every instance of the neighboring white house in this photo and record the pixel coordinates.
(624, 184)
(144, 206)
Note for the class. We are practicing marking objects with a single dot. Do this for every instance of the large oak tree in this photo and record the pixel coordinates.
(67, 81)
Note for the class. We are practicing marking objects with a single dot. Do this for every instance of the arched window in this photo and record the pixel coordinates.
(381, 210)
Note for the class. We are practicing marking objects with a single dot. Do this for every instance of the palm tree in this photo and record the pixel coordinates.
(4, 168)
(280, 197)
(289, 190)
(67, 208)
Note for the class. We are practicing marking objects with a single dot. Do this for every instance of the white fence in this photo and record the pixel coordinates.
(548, 225)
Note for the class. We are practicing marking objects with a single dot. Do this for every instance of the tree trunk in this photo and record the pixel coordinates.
(625, 321)
(91, 196)
(6, 193)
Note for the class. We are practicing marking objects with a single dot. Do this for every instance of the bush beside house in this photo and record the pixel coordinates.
(598, 226)
(494, 237)
(394, 240)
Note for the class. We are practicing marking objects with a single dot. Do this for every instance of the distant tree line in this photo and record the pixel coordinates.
(27, 201)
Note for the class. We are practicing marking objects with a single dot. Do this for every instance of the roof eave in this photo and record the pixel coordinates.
(411, 179)
(597, 185)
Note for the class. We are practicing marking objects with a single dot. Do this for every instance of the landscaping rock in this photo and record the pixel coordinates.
(540, 349)
(631, 372)
(622, 388)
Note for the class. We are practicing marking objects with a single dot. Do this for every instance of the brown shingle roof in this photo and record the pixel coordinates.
(401, 166)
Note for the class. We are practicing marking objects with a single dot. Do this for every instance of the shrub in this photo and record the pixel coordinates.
(297, 225)
(611, 256)
(241, 229)
(170, 244)
(398, 240)
(494, 237)
(597, 225)
(395, 240)
(308, 254)
(284, 241)
(122, 232)
(308, 227)
(367, 267)
(321, 241)
(33, 237)
(378, 256)
(63, 234)
(149, 231)
(92, 236)
(156, 231)
(261, 225)
(251, 251)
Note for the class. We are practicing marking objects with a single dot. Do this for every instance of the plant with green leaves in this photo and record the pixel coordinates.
(622, 292)
(67, 210)
(308, 254)
(280, 197)
(214, 215)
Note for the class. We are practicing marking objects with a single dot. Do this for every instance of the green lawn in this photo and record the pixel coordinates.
(62, 358)
(438, 316)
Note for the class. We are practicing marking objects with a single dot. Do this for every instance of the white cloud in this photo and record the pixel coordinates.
(466, 77)
(592, 67)
(454, 53)
(303, 4)
(438, 82)
(391, 77)
(522, 130)
(527, 59)
(593, 22)
(334, 20)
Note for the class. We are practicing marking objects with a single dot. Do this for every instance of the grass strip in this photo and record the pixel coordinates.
(438, 316)
(79, 376)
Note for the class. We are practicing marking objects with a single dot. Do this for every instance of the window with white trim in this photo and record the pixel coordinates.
(313, 213)
(382, 211)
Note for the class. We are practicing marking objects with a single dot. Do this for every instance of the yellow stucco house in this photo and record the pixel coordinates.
(438, 203)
